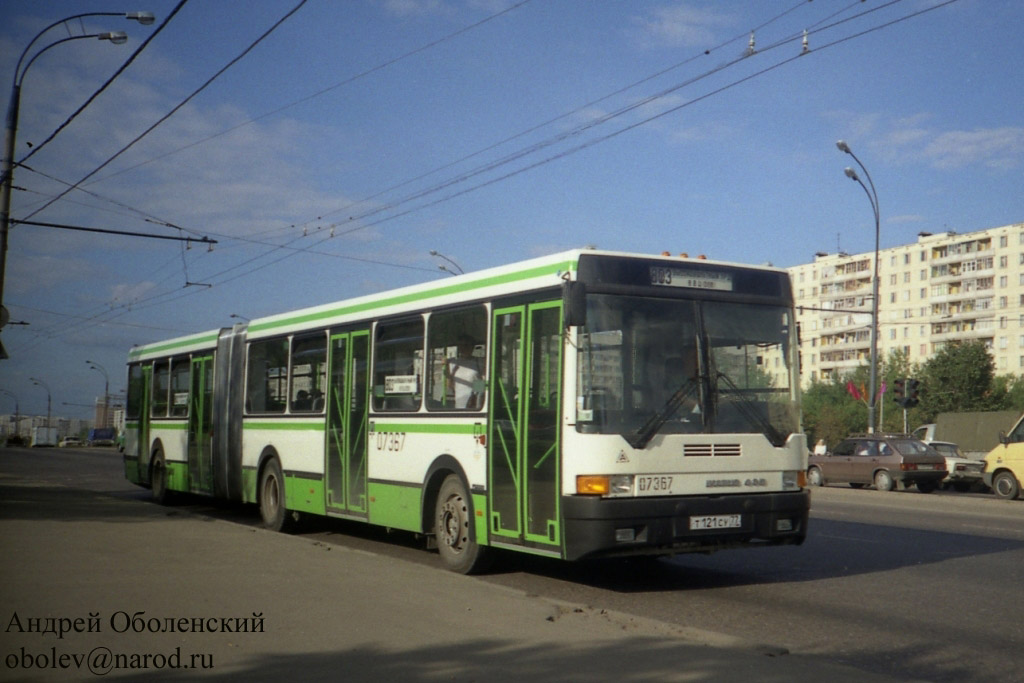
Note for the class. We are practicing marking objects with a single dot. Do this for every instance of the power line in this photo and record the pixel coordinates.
(181, 104)
(107, 83)
(324, 91)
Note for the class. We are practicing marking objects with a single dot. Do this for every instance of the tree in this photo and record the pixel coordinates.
(959, 377)
(830, 412)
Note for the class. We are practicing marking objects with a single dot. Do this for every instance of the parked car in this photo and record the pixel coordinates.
(880, 459)
(69, 442)
(963, 473)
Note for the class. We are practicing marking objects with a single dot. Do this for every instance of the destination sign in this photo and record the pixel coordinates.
(691, 279)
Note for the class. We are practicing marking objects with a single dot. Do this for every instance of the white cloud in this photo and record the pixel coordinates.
(678, 26)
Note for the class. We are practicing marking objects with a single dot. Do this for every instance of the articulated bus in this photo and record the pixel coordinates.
(582, 405)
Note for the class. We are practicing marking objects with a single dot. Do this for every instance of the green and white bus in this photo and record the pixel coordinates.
(585, 404)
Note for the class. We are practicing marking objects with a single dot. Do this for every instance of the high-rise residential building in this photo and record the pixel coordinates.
(946, 287)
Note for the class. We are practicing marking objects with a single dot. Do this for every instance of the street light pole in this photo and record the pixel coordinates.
(11, 122)
(434, 252)
(93, 365)
(873, 198)
(41, 383)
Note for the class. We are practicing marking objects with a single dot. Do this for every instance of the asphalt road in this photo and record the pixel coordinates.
(900, 584)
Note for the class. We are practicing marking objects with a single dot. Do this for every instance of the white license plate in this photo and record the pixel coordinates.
(926, 467)
(715, 522)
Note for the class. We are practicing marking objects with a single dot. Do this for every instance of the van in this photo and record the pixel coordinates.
(1004, 464)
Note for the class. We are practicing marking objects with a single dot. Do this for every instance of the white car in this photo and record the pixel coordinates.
(69, 442)
(965, 474)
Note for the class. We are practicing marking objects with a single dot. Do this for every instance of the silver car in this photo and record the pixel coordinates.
(965, 474)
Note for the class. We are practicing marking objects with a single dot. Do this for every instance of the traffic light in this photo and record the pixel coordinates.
(913, 388)
(900, 394)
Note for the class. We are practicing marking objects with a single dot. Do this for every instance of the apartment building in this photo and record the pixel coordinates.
(946, 287)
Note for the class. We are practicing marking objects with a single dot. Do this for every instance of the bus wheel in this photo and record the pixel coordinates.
(158, 479)
(452, 517)
(272, 502)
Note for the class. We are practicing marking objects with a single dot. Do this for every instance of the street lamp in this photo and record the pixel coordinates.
(41, 383)
(11, 126)
(873, 198)
(93, 365)
(434, 252)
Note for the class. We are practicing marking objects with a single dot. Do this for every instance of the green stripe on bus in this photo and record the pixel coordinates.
(167, 346)
(548, 269)
(283, 426)
(428, 428)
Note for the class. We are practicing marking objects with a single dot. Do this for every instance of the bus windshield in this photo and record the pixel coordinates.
(649, 366)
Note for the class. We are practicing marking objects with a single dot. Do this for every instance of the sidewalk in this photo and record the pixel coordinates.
(323, 612)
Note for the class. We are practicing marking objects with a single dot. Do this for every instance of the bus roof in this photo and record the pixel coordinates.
(545, 271)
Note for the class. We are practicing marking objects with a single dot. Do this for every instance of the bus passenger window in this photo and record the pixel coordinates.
(136, 385)
(309, 373)
(457, 354)
(181, 378)
(267, 382)
(161, 385)
(398, 366)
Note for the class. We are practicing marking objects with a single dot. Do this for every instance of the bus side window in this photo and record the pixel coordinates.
(161, 386)
(309, 373)
(181, 383)
(457, 357)
(267, 382)
(398, 366)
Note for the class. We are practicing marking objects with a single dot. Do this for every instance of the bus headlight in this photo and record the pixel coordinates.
(794, 481)
(604, 485)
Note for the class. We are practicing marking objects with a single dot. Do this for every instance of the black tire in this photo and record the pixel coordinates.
(1005, 485)
(453, 519)
(158, 479)
(815, 477)
(883, 481)
(927, 486)
(272, 499)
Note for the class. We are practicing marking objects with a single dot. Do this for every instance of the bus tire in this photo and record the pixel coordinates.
(273, 512)
(158, 479)
(453, 517)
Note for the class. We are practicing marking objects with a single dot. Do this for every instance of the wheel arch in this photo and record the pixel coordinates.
(156, 447)
(438, 471)
(269, 453)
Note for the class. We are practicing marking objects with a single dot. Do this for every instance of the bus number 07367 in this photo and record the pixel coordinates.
(648, 484)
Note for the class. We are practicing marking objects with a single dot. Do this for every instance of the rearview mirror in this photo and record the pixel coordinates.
(574, 303)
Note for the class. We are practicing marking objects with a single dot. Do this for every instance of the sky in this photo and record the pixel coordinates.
(329, 159)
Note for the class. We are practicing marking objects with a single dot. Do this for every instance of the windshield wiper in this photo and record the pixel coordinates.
(645, 432)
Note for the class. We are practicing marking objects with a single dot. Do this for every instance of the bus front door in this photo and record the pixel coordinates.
(524, 439)
(200, 426)
(347, 417)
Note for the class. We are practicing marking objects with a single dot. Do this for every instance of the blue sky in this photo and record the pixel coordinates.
(488, 130)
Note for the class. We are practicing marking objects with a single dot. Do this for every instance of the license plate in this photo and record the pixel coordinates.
(715, 522)
(926, 467)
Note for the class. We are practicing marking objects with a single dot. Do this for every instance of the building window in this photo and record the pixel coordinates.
(1002, 282)
(1003, 261)
(1002, 302)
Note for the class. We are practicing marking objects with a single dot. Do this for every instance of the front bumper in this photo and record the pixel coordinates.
(608, 527)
